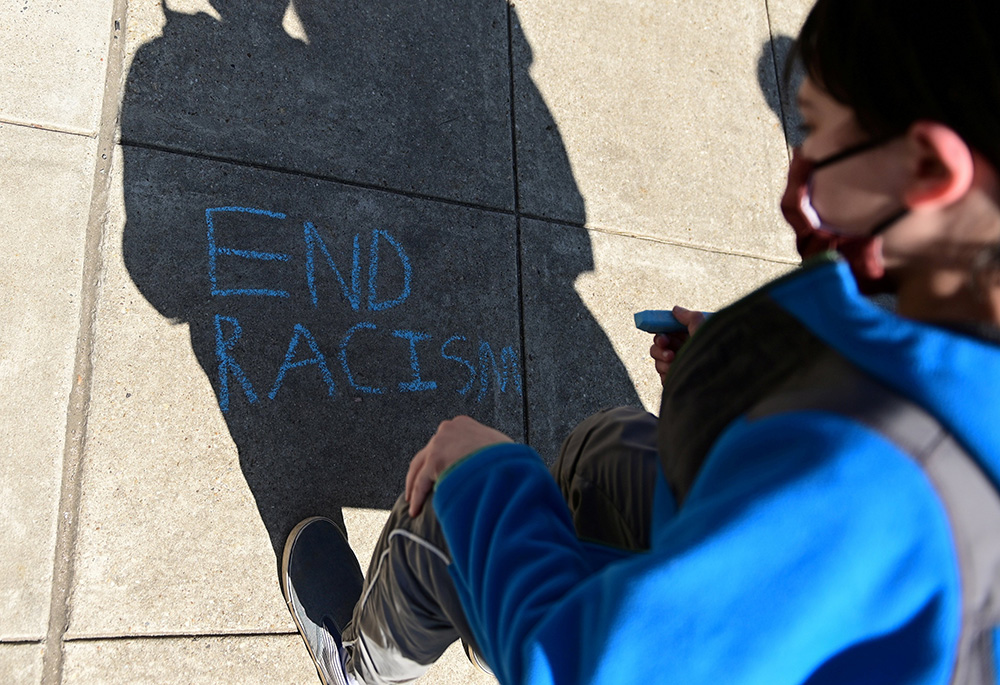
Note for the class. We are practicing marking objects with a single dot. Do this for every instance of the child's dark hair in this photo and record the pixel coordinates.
(895, 62)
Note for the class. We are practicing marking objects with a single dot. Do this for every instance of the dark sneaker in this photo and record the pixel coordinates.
(321, 580)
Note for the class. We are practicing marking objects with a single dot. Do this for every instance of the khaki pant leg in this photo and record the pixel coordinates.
(409, 611)
(607, 470)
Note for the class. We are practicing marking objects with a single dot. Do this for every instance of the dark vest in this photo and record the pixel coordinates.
(755, 359)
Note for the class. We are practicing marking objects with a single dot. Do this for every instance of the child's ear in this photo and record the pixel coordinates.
(943, 166)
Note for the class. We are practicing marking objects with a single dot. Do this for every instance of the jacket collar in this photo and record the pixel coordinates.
(952, 375)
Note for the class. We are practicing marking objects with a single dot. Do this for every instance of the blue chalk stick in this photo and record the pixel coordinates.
(656, 321)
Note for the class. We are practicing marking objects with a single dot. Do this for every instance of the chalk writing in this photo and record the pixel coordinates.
(373, 302)
(347, 367)
(353, 294)
(214, 251)
(416, 385)
(464, 362)
(228, 365)
(489, 370)
(508, 360)
(318, 359)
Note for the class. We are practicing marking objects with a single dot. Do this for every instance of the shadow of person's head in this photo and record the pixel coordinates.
(779, 82)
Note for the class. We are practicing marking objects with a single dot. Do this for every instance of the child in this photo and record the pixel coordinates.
(818, 501)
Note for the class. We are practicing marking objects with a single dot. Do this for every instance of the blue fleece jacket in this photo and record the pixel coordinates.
(810, 548)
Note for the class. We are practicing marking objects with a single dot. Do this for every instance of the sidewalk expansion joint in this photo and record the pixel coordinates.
(516, 213)
(91, 135)
(86, 639)
(779, 81)
(67, 525)
(663, 241)
(257, 166)
(518, 236)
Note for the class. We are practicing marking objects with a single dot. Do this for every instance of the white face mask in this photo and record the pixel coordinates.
(814, 235)
(815, 220)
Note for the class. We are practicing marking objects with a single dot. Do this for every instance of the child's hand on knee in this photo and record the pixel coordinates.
(454, 440)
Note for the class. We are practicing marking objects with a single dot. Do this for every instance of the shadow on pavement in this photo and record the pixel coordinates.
(339, 323)
(780, 97)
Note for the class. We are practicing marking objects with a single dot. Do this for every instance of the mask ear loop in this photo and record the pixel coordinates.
(885, 224)
(851, 151)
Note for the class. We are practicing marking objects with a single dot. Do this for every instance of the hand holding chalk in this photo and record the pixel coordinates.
(658, 321)
(673, 329)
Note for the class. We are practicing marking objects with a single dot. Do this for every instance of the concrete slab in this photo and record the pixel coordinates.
(55, 60)
(412, 96)
(665, 120)
(571, 377)
(240, 659)
(237, 659)
(45, 191)
(21, 664)
(188, 475)
(364, 526)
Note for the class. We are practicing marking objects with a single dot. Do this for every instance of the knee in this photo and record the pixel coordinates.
(615, 421)
(604, 434)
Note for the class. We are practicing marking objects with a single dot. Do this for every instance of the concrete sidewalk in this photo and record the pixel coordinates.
(255, 252)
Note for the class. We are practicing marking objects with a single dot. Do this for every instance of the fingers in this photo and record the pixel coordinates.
(683, 315)
(422, 486)
(692, 319)
(416, 465)
(454, 440)
(670, 341)
(659, 350)
(418, 481)
(666, 345)
(663, 355)
(664, 349)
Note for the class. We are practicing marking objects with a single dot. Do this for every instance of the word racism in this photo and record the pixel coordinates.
(502, 367)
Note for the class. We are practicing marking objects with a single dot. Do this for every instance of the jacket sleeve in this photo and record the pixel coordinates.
(808, 544)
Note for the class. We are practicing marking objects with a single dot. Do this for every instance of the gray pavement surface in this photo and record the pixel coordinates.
(255, 251)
